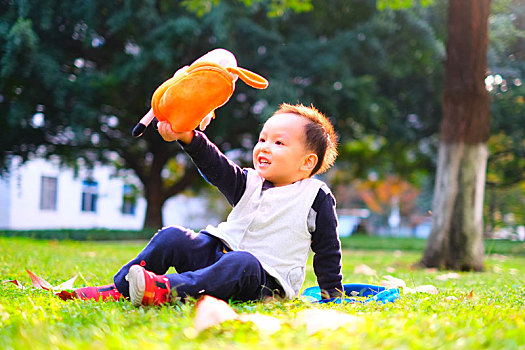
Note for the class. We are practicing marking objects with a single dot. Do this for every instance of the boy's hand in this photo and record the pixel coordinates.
(169, 135)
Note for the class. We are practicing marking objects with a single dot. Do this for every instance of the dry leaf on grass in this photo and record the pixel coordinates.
(364, 270)
(16, 283)
(211, 311)
(39, 282)
(264, 323)
(499, 257)
(392, 282)
(447, 276)
(470, 295)
(67, 284)
(427, 288)
(317, 320)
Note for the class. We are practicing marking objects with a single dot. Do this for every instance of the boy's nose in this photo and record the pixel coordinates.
(265, 148)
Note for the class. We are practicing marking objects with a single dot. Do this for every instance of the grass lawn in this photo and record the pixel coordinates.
(476, 310)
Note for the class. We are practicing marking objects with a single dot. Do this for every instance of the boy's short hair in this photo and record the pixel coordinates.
(320, 136)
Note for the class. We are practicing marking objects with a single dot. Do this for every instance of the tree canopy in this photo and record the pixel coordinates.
(76, 76)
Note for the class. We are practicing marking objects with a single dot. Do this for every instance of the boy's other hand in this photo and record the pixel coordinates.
(169, 135)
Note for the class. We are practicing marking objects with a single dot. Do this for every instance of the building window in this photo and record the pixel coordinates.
(48, 193)
(89, 196)
(129, 200)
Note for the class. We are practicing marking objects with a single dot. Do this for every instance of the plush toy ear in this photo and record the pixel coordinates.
(250, 78)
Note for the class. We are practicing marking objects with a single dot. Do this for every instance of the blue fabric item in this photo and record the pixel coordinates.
(352, 291)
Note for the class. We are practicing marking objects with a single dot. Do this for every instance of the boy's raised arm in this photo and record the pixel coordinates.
(169, 135)
(215, 167)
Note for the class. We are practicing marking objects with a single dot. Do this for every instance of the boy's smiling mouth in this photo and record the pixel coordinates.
(263, 161)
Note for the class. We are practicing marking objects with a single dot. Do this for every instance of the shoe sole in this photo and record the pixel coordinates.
(137, 284)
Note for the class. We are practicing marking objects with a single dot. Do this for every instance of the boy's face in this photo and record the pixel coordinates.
(280, 155)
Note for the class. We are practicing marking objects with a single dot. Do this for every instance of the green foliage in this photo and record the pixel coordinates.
(20, 49)
(505, 208)
(380, 105)
(506, 165)
(476, 310)
(87, 71)
(275, 7)
(505, 191)
(402, 4)
(95, 72)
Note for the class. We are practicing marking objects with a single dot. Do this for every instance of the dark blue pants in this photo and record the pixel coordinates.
(203, 266)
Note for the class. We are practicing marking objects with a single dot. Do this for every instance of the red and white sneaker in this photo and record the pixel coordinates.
(102, 293)
(147, 288)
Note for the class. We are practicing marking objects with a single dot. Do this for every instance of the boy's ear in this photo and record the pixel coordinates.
(310, 161)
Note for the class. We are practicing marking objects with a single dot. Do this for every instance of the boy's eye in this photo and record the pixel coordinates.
(261, 140)
(279, 143)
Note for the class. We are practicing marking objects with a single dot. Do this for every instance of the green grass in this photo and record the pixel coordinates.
(361, 241)
(488, 311)
(80, 235)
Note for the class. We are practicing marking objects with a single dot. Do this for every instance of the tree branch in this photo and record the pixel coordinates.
(184, 182)
(507, 184)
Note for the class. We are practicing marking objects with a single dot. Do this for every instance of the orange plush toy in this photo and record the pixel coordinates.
(191, 96)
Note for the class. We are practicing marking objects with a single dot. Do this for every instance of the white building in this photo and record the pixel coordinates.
(39, 194)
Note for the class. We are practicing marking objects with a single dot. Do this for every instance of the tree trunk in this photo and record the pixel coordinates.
(456, 240)
(156, 193)
(155, 201)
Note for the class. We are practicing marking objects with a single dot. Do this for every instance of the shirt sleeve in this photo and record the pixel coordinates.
(216, 168)
(327, 261)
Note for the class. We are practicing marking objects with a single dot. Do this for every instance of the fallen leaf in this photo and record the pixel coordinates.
(467, 296)
(16, 283)
(497, 269)
(39, 282)
(66, 295)
(499, 257)
(429, 289)
(265, 323)
(398, 253)
(67, 284)
(447, 276)
(317, 320)
(211, 311)
(392, 282)
(364, 270)
(451, 298)
(390, 269)
(407, 290)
